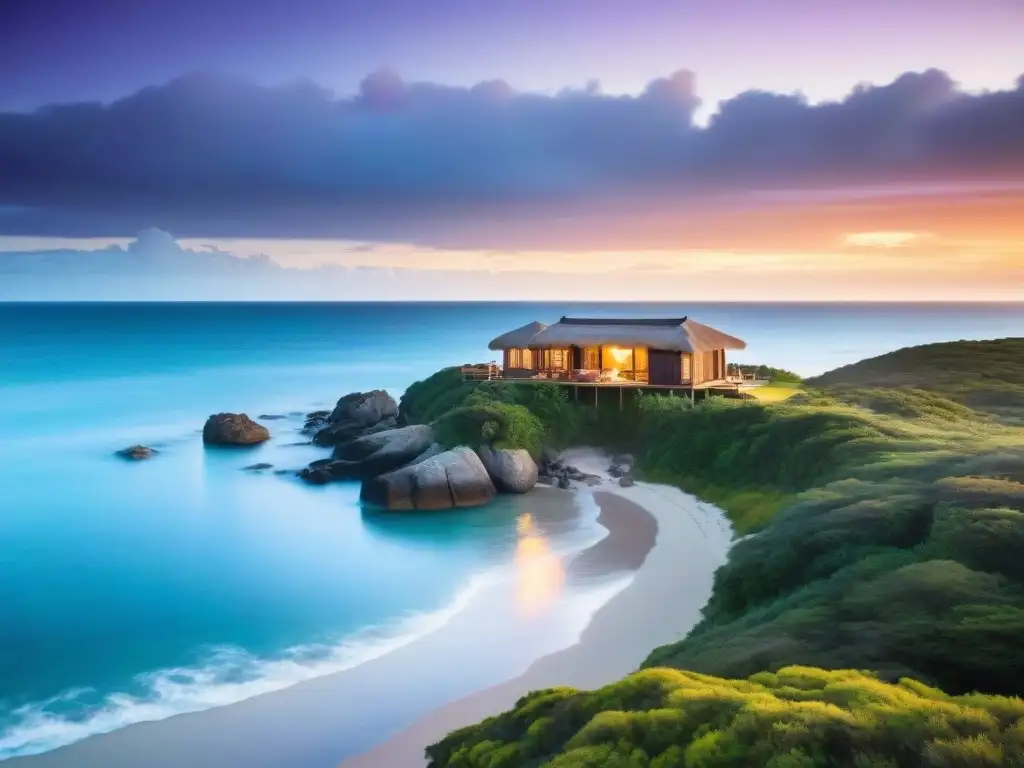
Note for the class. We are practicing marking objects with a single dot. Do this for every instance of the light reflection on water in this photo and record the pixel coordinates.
(540, 574)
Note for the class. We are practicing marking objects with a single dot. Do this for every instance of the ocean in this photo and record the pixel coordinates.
(136, 591)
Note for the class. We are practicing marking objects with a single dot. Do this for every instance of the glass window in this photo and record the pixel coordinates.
(640, 359)
(591, 358)
(520, 358)
(558, 359)
(617, 358)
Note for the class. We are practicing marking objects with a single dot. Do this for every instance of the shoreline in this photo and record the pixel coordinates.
(479, 662)
(323, 719)
(605, 652)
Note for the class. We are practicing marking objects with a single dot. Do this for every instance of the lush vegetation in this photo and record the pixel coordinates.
(797, 717)
(985, 375)
(888, 532)
(772, 374)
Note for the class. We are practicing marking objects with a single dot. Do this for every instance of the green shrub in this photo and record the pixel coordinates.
(490, 422)
(798, 717)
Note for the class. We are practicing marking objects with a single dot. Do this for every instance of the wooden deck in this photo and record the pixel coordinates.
(494, 372)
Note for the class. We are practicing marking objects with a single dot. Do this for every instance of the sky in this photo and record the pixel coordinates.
(584, 149)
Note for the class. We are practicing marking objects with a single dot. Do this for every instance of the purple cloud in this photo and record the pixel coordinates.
(206, 155)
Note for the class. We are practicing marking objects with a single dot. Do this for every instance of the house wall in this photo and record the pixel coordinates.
(665, 367)
(706, 366)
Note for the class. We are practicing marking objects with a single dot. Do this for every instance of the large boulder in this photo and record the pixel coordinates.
(233, 429)
(372, 454)
(455, 478)
(356, 414)
(512, 470)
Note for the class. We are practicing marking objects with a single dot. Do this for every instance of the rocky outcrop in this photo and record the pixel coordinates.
(315, 421)
(372, 455)
(552, 470)
(622, 465)
(627, 481)
(511, 470)
(357, 414)
(455, 478)
(137, 452)
(233, 429)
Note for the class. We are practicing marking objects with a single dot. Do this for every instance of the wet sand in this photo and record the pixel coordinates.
(661, 605)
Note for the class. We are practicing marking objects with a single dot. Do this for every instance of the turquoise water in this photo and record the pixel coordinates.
(137, 590)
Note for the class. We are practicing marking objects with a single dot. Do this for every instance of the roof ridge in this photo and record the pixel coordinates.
(650, 321)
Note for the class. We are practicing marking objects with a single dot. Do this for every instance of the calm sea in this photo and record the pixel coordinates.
(136, 591)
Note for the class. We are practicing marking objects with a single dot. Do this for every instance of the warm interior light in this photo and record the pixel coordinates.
(620, 355)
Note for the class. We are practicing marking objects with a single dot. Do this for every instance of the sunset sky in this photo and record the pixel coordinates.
(587, 149)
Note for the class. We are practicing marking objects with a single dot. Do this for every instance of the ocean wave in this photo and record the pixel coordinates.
(228, 675)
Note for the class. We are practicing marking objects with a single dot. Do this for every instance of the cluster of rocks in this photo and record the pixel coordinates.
(225, 429)
(554, 471)
(403, 467)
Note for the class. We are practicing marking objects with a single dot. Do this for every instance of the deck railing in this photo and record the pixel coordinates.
(481, 372)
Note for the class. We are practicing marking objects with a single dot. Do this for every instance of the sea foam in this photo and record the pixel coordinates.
(227, 675)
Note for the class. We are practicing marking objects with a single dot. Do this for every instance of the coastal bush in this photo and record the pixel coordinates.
(493, 423)
(430, 398)
(983, 375)
(772, 374)
(797, 716)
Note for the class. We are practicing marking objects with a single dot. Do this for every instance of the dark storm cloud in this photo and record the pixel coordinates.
(206, 155)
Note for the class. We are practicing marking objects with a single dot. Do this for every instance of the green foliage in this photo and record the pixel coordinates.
(985, 375)
(774, 375)
(799, 717)
(493, 423)
(552, 406)
(425, 400)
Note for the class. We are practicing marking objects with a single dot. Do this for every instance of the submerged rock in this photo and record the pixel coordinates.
(356, 414)
(258, 467)
(511, 470)
(455, 478)
(373, 454)
(233, 429)
(271, 416)
(137, 452)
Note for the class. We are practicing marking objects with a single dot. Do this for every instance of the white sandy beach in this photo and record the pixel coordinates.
(660, 606)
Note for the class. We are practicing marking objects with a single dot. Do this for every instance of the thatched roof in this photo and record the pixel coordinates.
(681, 334)
(519, 338)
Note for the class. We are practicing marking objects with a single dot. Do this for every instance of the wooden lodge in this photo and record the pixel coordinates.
(654, 353)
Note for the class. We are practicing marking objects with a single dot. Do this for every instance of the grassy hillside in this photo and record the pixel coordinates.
(986, 375)
(796, 718)
(887, 528)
